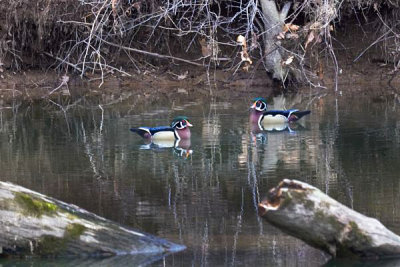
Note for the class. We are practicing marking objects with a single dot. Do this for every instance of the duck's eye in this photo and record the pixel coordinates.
(180, 125)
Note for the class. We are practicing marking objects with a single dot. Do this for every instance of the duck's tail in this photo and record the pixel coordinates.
(297, 115)
(143, 132)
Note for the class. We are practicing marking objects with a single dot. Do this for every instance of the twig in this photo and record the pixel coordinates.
(64, 61)
(151, 53)
(102, 118)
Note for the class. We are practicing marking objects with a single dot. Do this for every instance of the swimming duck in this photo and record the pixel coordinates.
(264, 118)
(178, 130)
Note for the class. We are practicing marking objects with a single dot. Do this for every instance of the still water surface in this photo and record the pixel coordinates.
(204, 194)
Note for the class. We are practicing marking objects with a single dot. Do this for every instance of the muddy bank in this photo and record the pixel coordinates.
(36, 85)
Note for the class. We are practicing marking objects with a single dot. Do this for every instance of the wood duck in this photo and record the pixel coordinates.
(178, 130)
(264, 118)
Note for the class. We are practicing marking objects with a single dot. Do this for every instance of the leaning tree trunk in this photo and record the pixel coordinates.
(273, 22)
(306, 213)
(33, 224)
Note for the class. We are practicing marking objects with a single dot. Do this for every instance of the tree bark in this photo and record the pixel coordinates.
(273, 21)
(33, 224)
(310, 215)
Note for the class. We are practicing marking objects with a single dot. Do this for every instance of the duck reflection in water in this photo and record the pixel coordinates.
(181, 147)
(259, 133)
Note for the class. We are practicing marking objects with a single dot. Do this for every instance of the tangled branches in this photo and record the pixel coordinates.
(106, 36)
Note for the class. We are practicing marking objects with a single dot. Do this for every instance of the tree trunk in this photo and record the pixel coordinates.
(33, 224)
(273, 21)
(306, 213)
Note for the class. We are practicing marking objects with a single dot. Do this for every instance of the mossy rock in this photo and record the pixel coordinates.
(33, 206)
(74, 231)
(52, 246)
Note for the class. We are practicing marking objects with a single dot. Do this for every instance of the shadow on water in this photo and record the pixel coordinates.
(207, 198)
(359, 263)
(126, 260)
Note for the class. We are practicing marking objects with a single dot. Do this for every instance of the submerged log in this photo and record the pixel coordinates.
(310, 215)
(33, 224)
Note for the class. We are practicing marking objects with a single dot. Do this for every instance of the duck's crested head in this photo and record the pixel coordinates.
(180, 122)
(259, 104)
(260, 99)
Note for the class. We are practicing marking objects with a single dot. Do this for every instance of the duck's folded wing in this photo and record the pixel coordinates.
(160, 129)
(146, 132)
(285, 113)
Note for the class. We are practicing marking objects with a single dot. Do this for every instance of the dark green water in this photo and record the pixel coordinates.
(205, 196)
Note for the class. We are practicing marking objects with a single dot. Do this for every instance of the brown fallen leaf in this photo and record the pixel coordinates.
(290, 27)
(310, 38)
(294, 27)
(281, 36)
(288, 60)
(114, 4)
(243, 54)
(206, 49)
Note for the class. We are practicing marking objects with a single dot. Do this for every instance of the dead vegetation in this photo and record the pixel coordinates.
(99, 38)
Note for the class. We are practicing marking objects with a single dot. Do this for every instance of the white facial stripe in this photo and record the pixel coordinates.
(260, 106)
(179, 125)
(144, 129)
(177, 135)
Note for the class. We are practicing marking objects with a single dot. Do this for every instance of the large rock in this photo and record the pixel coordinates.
(36, 225)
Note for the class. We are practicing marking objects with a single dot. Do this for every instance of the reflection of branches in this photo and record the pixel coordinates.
(238, 228)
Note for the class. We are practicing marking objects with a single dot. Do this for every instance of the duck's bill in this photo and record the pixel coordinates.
(254, 105)
(189, 124)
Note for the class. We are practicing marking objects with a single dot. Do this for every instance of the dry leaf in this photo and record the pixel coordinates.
(246, 67)
(292, 36)
(280, 36)
(294, 27)
(285, 28)
(254, 43)
(183, 76)
(288, 60)
(241, 40)
(137, 6)
(315, 26)
(243, 54)
(310, 38)
(205, 48)
(290, 27)
(114, 4)
(245, 57)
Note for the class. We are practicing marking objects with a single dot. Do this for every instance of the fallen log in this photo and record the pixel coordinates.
(33, 224)
(312, 216)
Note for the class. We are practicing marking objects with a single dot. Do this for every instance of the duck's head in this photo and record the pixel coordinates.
(259, 104)
(180, 123)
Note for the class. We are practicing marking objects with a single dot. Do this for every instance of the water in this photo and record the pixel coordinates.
(204, 194)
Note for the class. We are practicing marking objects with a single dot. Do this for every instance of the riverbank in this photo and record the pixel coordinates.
(37, 85)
